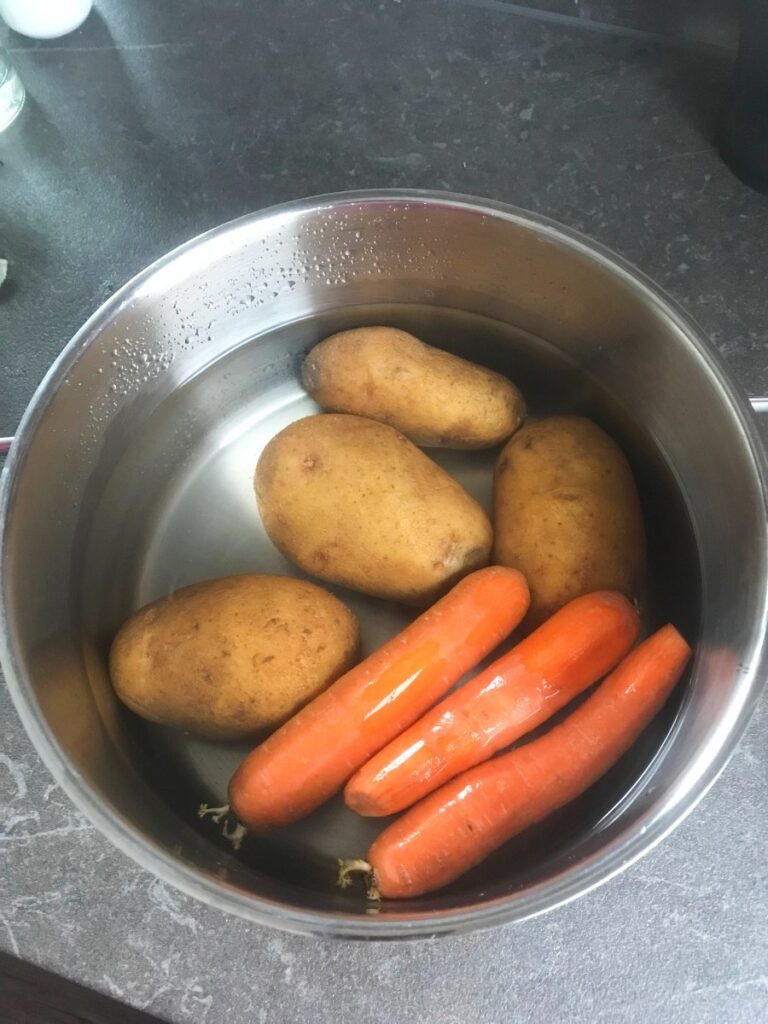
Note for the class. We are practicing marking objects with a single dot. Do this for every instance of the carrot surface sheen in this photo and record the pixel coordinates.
(310, 758)
(459, 825)
(544, 672)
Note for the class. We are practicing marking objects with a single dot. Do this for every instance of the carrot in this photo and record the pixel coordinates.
(310, 757)
(573, 649)
(457, 827)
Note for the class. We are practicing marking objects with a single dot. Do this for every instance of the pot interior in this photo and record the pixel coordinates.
(138, 480)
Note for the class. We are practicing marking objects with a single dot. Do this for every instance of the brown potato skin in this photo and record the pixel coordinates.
(436, 399)
(567, 514)
(354, 502)
(232, 657)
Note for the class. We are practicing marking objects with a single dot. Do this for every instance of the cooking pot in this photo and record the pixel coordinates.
(131, 476)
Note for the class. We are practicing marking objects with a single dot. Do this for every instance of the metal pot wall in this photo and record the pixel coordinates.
(131, 475)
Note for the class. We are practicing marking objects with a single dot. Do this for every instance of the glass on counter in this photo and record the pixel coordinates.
(11, 91)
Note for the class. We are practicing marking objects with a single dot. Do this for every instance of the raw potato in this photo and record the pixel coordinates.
(231, 657)
(353, 501)
(567, 514)
(434, 398)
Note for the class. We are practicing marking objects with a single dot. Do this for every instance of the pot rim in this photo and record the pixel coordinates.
(621, 851)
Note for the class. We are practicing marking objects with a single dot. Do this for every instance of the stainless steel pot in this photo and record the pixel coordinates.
(131, 475)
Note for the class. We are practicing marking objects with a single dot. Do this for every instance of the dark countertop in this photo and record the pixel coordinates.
(152, 124)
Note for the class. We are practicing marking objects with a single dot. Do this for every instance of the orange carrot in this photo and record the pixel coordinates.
(573, 649)
(310, 757)
(458, 826)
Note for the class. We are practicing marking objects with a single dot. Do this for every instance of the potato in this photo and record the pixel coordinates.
(567, 514)
(233, 656)
(434, 398)
(353, 501)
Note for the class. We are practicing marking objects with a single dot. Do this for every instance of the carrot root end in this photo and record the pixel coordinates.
(216, 813)
(348, 867)
(234, 834)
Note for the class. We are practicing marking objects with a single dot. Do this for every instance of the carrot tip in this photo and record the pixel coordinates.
(235, 834)
(350, 866)
(216, 813)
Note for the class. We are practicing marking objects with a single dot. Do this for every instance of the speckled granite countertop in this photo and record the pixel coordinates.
(150, 125)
